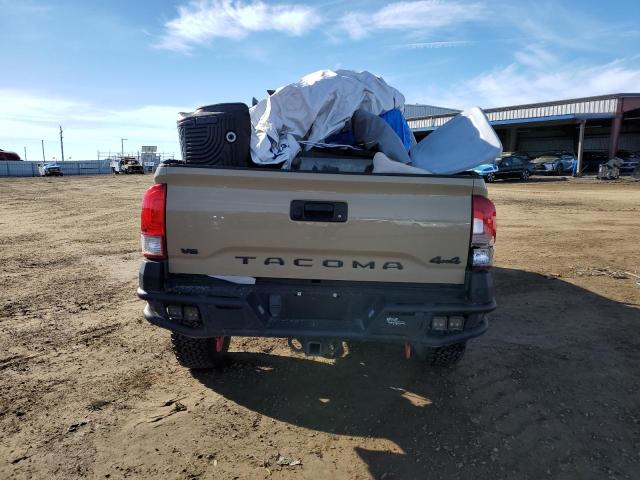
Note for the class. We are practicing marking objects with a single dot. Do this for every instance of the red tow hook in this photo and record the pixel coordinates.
(407, 350)
(219, 344)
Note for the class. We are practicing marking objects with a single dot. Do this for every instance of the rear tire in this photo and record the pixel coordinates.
(525, 175)
(490, 178)
(441, 356)
(197, 353)
(559, 169)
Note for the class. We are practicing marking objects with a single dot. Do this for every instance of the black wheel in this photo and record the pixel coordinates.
(559, 169)
(490, 178)
(199, 353)
(525, 175)
(441, 356)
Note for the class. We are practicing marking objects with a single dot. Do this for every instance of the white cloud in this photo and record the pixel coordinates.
(27, 117)
(436, 45)
(200, 21)
(538, 75)
(425, 15)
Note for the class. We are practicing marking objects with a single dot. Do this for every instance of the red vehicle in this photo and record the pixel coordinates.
(9, 155)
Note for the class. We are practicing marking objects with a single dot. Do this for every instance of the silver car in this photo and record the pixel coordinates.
(555, 163)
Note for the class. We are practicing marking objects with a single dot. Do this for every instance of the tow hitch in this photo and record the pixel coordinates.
(316, 347)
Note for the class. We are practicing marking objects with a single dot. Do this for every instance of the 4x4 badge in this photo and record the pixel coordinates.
(439, 260)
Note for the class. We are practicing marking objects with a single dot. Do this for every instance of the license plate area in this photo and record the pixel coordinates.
(304, 305)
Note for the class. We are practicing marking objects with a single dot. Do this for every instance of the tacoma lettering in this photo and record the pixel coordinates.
(326, 263)
(357, 264)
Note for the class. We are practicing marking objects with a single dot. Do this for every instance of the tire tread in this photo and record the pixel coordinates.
(197, 353)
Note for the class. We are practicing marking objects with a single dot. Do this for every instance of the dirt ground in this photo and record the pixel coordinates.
(89, 389)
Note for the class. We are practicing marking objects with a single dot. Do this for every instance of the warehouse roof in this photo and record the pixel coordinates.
(604, 106)
(415, 110)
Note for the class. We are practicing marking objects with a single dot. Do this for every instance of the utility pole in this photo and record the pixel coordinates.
(61, 143)
(122, 145)
(25, 153)
(43, 159)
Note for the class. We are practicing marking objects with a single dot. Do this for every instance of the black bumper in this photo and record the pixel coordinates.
(307, 309)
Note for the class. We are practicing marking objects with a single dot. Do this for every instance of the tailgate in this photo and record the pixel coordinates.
(274, 224)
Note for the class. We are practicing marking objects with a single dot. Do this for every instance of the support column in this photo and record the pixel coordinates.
(578, 171)
(614, 137)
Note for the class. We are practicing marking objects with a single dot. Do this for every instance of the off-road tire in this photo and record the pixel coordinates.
(197, 353)
(442, 356)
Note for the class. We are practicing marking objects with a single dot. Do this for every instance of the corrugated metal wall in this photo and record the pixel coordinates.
(599, 105)
(417, 110)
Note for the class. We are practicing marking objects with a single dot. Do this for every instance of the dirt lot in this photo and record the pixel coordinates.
(88, 389)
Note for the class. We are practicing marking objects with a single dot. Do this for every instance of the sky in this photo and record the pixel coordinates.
(124, 69)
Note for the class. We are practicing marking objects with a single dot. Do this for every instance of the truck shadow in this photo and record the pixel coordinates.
(549, 385)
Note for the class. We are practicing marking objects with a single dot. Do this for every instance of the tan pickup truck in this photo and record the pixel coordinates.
(318, 258)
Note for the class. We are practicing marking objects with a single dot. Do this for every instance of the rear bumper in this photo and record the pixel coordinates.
(339, 310)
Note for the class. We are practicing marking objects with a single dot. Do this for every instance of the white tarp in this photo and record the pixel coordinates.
(313, 108)
(464, 142)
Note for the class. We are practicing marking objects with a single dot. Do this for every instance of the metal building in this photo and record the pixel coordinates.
(607, 123)
(414, 110)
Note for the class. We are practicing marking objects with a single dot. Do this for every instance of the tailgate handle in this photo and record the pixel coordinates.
(314, 211)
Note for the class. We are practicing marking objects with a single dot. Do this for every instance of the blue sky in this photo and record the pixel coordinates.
(107, 70)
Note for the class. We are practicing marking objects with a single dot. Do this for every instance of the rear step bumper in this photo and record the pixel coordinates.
(340, 310)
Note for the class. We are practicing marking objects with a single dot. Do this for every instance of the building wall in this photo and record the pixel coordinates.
(542, 139)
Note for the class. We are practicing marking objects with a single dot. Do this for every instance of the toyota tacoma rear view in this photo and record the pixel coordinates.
(319, 256)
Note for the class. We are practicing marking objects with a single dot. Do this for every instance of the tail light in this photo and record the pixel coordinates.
(152, 222)
(484, 232)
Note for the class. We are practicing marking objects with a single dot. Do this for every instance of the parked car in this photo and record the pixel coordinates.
(4, 155)
(630, 161)
(591, 161)
(126, 165)
(486, 171)
(555, 163)
(510, 166)
(520, 155)
(50, 170)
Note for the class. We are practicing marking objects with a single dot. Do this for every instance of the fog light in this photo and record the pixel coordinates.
(174, 312)
(456, 323)
(439, 323)
(191, 314)
(482, 257)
